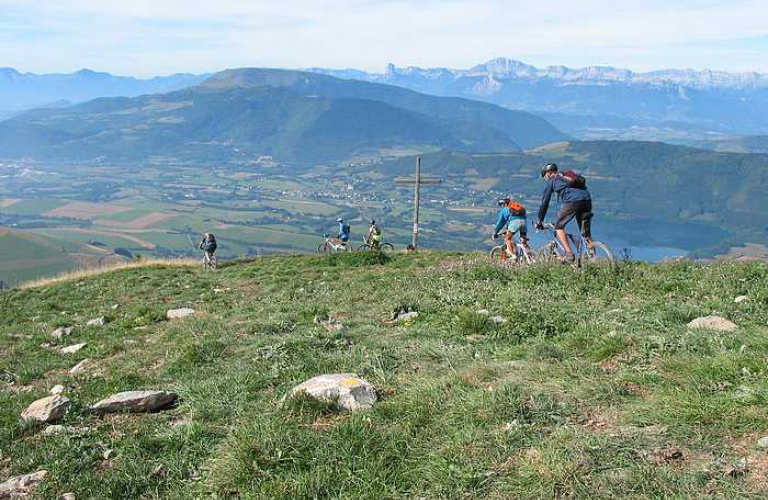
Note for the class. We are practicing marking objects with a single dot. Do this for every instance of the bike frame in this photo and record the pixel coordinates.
(579, 242)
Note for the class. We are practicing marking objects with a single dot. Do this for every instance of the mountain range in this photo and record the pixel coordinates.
(290, 115)
(20, 91)
(588, 102)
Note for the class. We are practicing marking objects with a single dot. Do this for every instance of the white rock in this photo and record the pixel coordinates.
(346, 390)
(715, 323)
(57, 389)
(80, 366)
(763, 443)
(68, 496)
(61, 430)
(409, 316)
(180, 313)
(97, 321)
(484, 312)
(61, 332)
(135, 402)
(47, 409)
(72, 348)
(21, 486)
(740, 299)
(114, 306)
(499, 320)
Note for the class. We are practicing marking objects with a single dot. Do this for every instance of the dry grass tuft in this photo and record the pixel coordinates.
(94, 271)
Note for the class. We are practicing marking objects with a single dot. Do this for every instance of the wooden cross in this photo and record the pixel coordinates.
(416, 182)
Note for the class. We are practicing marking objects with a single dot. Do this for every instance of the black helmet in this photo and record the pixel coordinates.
(549, 167)
(503, 201)
(373, 222)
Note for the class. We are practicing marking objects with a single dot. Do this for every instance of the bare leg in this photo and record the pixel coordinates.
(564, 240)
(509, 240)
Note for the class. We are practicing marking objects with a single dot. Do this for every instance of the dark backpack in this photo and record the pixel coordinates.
(574, 180)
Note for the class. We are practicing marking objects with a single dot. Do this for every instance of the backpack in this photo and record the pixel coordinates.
(574, 180)
(209, 242)
(516, 208)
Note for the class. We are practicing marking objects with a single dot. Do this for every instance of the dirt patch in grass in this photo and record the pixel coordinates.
(86, 210)
(144, 222)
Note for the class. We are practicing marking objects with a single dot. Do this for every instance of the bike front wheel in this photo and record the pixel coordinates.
(363, 248)
(497, 253)
(324, 248)
(602, 254)
(549, 253)
(387, 247)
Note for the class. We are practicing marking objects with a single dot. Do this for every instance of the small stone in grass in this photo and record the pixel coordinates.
(62, 332)
(716, 323)
(47, 409)
(72, 348)
(21, 486)
(180, 313)
(97, 321)
(57, 389)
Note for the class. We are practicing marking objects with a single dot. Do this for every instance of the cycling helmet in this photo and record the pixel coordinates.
(549, 167)
(339, 220)
(503, 201)
(373, 222)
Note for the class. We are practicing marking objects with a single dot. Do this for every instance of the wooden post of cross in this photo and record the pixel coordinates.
(416, 181)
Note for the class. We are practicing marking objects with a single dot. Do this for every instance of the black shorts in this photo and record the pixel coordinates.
(210, 249)
(582, 211)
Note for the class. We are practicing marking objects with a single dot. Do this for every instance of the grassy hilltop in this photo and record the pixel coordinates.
(592, 387)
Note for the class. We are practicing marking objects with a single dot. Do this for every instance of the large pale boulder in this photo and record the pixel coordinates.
(180, 313)
(135, 402)
(21, 486)
(346, 390)
(716, 323)
(47, 409)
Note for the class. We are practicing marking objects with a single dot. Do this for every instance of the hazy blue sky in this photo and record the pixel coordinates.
(149, 37)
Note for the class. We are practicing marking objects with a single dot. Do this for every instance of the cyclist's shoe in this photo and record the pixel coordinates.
(569, 259)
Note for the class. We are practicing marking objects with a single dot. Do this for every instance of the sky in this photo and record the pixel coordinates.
(159, 37)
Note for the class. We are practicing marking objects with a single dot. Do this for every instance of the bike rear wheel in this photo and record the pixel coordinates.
(387, 247)
(602, 255)
(363, 248)
(525, 256)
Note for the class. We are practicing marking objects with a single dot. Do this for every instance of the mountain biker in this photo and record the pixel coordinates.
(374, 235)
(344, 231)
(208, 245)
(511, 219)
(575, 202)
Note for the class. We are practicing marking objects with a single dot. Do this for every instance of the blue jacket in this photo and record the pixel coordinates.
(565, 194)
(343, 230)
(505, 215)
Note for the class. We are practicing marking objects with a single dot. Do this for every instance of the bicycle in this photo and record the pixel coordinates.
(209, 261)
(600, 253)
(333, 245)
(381, 247)
(522, 254)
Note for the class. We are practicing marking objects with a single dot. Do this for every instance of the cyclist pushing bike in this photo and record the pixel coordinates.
(344, 231)
(374, 235)
(511, 219)
(208, 245)
(575, 202)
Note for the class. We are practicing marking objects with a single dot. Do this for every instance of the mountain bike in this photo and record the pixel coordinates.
(522, 255)
(209, 261)
(333, 245)
(554, 250)
(381, 247)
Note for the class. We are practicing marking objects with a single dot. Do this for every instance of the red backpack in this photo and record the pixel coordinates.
(574, 180)
(516, 208)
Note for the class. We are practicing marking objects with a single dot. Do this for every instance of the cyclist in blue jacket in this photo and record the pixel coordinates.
(575, 202)
(344, 231)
